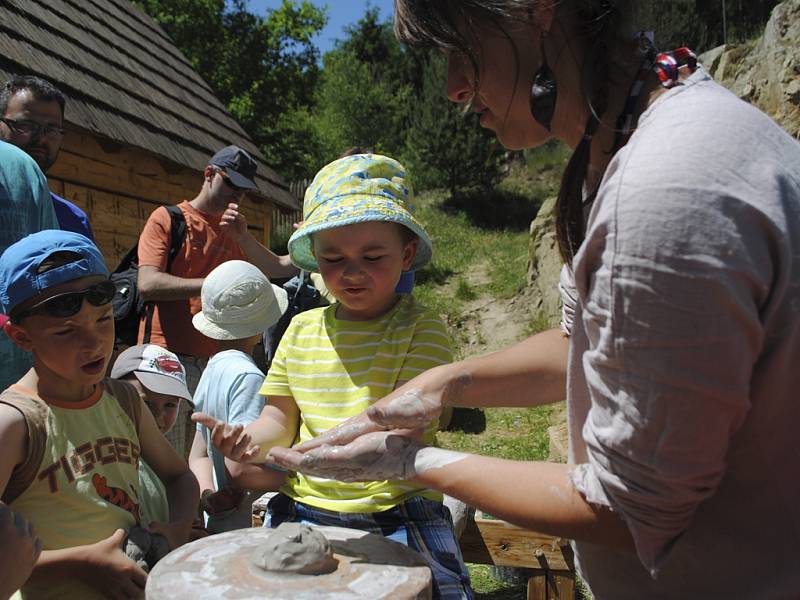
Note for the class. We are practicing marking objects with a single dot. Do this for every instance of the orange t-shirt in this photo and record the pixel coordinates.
(204, 249)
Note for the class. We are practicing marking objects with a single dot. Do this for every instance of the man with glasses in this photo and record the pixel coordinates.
(32, 118)
(215, 232)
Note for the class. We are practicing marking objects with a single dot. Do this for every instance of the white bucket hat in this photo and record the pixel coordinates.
(238, 302)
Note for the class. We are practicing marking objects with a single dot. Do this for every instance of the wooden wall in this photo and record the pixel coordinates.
(119, 186)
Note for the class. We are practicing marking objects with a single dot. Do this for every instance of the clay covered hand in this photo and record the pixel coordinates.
(372, 457)
(220, 501)
(408, 407)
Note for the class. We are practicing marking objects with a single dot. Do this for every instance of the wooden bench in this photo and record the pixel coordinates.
(490, 541)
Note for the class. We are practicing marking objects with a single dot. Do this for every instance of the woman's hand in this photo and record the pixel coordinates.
(230, 440)
(411, 406)
(372, 457)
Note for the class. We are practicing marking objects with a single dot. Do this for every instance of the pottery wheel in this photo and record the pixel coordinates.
(369, 567)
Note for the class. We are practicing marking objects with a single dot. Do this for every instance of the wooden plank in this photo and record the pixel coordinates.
(560, 586)
(473, 547)
(511, 546)
(537, 586)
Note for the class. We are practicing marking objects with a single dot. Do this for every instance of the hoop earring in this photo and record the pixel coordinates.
(544, 93)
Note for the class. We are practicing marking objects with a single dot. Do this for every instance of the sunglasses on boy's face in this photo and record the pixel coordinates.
(69, 303)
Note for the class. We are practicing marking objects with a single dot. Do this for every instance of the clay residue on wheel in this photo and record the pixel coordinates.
(295, 548)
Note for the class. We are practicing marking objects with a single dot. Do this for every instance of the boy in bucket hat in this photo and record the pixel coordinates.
(72, 439)
(160, 381)
(239, 304)
(334, 362)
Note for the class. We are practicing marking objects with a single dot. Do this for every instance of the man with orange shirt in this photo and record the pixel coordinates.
(215, 232)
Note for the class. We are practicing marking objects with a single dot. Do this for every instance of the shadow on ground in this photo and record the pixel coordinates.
(494, 209)
(433, 273)
(468, 420)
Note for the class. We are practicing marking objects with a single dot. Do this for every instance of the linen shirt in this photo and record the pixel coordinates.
(683, 370)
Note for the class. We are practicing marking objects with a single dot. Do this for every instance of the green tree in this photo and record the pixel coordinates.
(446, 148)
(364, 91)
(264, 69)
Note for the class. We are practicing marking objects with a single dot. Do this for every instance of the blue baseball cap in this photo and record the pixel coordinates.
(20, 278)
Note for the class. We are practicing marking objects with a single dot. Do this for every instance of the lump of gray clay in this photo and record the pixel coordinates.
(295, 548)
(145, 548)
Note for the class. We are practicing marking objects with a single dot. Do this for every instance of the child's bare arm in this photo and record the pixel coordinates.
(103, 566)
(254, 477)
(181, 485)
(20, 548)
(276, 426)
(14, 434)
(200, 463)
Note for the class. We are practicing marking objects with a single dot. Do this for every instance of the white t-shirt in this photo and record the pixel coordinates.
(684, 365)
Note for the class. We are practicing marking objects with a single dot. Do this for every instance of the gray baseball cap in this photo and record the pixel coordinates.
(239, 166)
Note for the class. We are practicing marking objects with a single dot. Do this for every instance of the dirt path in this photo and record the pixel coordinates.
(491, 324)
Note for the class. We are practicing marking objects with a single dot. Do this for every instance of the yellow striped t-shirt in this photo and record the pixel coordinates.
(336, 369)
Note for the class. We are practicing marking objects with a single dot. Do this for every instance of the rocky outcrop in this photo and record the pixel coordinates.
(543, 268)
(766, 72)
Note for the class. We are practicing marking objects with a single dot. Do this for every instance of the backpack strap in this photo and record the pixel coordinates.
(34, 410)
(127, 397)
(176, 238)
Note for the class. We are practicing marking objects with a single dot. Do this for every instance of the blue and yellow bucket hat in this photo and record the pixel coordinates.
(356, 189)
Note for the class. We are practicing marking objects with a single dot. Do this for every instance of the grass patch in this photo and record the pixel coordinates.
(464, 291)
(511, 433)
(487, 587)
(459, 246)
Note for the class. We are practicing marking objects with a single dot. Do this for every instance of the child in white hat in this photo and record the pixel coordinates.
(239, 304)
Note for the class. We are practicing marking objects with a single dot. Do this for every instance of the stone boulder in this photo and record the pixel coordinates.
(544, 266)
(766, 72)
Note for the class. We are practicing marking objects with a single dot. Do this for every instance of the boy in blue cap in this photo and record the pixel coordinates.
(72, 439)
(334, 362)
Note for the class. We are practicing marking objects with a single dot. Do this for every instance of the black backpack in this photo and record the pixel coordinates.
(127, 304)
(303, 296)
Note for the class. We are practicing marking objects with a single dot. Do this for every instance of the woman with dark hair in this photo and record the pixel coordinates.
(678, 221)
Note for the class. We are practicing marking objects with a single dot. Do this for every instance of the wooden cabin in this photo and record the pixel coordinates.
(140, 123)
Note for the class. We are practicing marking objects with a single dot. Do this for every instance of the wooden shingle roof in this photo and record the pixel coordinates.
(125, 80)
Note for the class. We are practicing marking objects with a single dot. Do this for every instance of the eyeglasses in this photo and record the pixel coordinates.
(228, 182)
(33, 129)
(69, 303)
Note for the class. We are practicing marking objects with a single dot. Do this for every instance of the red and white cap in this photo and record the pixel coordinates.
(156, 368)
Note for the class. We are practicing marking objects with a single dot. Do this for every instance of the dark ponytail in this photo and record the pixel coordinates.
(573, 195)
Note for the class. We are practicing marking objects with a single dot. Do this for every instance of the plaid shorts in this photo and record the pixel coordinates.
(422, 525)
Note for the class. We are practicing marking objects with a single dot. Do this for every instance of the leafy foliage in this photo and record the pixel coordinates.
(265, 70)
(446, 148)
